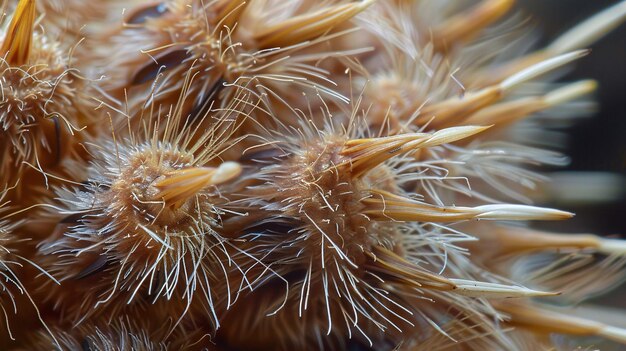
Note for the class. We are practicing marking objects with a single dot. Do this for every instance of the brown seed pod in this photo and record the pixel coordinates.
(292, 174)
(222, 45)
(146, 224)
(44, 106)
(351, 247)
(410, 86)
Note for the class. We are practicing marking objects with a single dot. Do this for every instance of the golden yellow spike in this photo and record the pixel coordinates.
(395, 269)
(504, 241)
(365, 154)
(468, 24)
(384, 206)
(545, 320)
(18, 39)
(503, 114)
(579, 37)
(453, 110)
(508, 112)
(180, 185)
(384, 261)
(308, 26)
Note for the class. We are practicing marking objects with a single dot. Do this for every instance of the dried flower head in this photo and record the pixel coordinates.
(145, 224)
(44, 103)
(265, 46)
(271, 174)
(338, 222)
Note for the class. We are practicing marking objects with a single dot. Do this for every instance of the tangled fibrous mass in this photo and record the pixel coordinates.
(290, 175)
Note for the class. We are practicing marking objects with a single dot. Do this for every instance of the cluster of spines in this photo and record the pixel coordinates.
(263, 174)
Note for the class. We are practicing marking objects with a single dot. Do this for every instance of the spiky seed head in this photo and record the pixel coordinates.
(144, 215)
(43, 105)
(333, 180)
(144, 226)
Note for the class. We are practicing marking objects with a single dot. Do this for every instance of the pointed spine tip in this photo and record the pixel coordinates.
(570, 92)
(519, 212)
(612, 246)
(614, 333)
(541, 68)
(493, 290)
(225, 172)
(590, 31)
(367, 153)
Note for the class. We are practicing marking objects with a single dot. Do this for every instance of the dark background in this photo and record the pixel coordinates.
(597, 143)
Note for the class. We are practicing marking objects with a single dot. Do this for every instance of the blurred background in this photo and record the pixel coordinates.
(596, 143)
